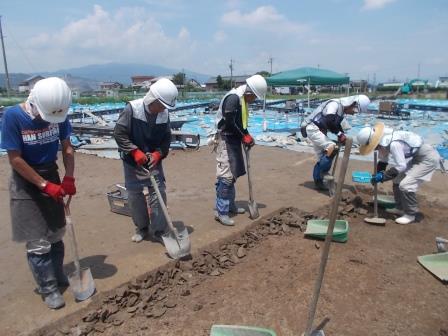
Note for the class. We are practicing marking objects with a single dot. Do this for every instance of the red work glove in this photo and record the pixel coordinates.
(342, 138)
(154, 159)
(248, 140)
(139, 157)
(55, 191)
(68, 184)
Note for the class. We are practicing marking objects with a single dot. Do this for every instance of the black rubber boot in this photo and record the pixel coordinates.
(57, 253)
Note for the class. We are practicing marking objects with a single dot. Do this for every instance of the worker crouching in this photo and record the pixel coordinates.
(411, 163)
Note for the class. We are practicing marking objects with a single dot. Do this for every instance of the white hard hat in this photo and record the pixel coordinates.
(257, 85)
(52, 98)
(165, 91)
(363, 101)
(368, 138)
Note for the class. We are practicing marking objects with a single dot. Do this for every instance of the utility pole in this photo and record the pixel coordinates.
(231, 72)
(8, 83)
(418, 76)
(270, 60)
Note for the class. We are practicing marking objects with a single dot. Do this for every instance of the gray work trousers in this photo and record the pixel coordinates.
(406, 184)
(147, 214)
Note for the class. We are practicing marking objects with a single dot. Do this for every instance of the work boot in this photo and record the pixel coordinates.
(320, 185)
(395, 211)
(54, 300)
(442, 244)
(224, 220)
(138, 237)
(405, 219)
(157, 236)
(237, 210)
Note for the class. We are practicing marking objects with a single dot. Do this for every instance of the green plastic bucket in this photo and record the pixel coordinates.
(386, 201)
(317, 228)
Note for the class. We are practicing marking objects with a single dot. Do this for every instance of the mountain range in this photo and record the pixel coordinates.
(90, 76)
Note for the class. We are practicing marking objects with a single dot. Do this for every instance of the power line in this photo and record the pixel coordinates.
(8, 83)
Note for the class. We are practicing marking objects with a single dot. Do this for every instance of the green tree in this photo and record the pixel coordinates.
(219, 81)
(179, 78)
(263, 73)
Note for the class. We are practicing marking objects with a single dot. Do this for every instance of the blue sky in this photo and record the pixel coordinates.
(388, 38)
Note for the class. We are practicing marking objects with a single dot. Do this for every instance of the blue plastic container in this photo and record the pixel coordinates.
(361, 176)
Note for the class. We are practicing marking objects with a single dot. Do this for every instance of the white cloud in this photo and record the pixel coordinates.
(375, 4)
(219, 36)
(127, 35)
(264, 18)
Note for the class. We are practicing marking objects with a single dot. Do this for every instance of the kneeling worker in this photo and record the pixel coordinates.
(143, 135)
(412, 162)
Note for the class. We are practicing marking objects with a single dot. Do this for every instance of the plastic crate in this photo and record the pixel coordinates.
(361, 176)
(118, 200)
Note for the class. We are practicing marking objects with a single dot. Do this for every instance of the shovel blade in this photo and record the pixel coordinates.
(82, 284)
(235, 330)
(253, 210)
(178, 244)
(375, 221)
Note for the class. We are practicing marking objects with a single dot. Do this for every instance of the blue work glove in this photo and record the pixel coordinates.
(378, 177)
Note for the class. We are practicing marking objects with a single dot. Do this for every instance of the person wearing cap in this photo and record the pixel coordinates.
(231, 123)
(329, 117)
(31, 133)
(411, 163)
(143, 135)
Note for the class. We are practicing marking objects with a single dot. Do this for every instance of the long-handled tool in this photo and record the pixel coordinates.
(81, 280)
(326, 250)
(329, 179)
(253, 207)
(375, 220)
(177, 243)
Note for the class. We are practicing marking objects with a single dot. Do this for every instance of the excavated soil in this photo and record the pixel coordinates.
(265, 276)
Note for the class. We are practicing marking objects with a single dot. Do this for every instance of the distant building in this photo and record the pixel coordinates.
(359, 85)
(212, 85)
(28, 84)
(442, 82)
(138, 81)
(110, 86)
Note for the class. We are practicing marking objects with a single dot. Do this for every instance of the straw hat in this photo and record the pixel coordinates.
(369, 137)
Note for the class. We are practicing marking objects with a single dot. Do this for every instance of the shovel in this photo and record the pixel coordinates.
(375, 220)
(81, 280)
(253, 207)
(177, 243)
(309, 331)
(329, 179)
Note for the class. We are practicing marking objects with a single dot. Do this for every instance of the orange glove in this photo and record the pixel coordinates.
(139, 157)
(55, 191)
(248, 140)
(68, 184)
(154, 159)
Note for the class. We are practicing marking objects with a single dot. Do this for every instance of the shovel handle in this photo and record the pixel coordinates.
(246, 151)
(69, 223)
(329, 237)
(375, 186)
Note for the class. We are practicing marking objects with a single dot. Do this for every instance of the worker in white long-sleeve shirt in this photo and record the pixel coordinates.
(412, 162)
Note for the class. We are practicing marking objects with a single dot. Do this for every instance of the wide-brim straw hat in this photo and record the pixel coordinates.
(374, 139)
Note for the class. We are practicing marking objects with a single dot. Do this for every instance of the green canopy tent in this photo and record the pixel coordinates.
(307, 76)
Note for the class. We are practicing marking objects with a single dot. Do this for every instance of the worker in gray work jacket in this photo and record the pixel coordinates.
(143, 135)
(411, 163)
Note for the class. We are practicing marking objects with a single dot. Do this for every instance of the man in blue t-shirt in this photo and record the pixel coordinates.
(31, 132)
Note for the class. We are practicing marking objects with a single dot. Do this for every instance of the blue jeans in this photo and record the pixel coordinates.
(321, 168)
(225, 196)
